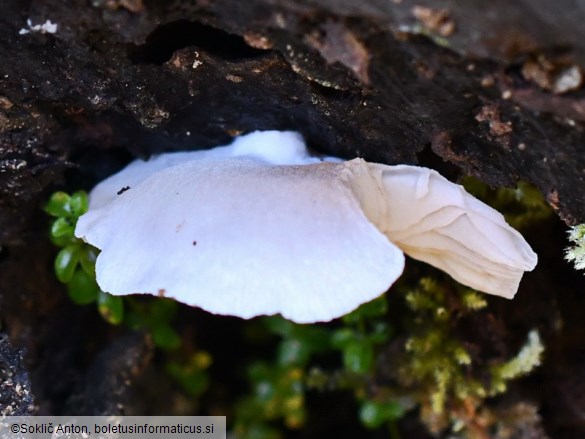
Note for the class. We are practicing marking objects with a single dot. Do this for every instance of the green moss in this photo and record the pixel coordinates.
(437, 360)
(279, 387)
(445, 379)
(576, 253)
(523, 363)
(436, 370)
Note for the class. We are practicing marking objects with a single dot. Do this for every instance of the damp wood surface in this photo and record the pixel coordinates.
(492, 90)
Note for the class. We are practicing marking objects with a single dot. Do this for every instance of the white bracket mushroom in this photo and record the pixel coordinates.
(262, 227)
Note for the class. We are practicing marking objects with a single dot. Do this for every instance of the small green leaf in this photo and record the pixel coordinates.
(375, 308)
(358, 357)
(192, 376)
(163, 310)
(79, 203)
(111, 308)
(165, 337)
(373, 414)
(62, 241)
(315, 339)
(66, 262)
(58, 205)
(82, 288)
(343, 337)
(62, 228)
(293, 352)
(87, 258)
(259, 370)
(264, 391)
(278, 325)
(196, 384)
(381, 333)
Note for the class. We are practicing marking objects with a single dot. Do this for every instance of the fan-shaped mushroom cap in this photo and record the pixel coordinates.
(242, 237)
(438, 222)
(261, 227)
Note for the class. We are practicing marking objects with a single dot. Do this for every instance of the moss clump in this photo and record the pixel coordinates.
(436, 357)
(451, 386)
(576, 253)
(523, 363)
(435, 369)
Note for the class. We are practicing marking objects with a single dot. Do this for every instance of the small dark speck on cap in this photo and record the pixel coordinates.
(124, 189)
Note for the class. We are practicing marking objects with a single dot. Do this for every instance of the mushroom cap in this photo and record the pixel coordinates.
(240, 236)
(436, 221)
(272, 147)
(261, 227)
